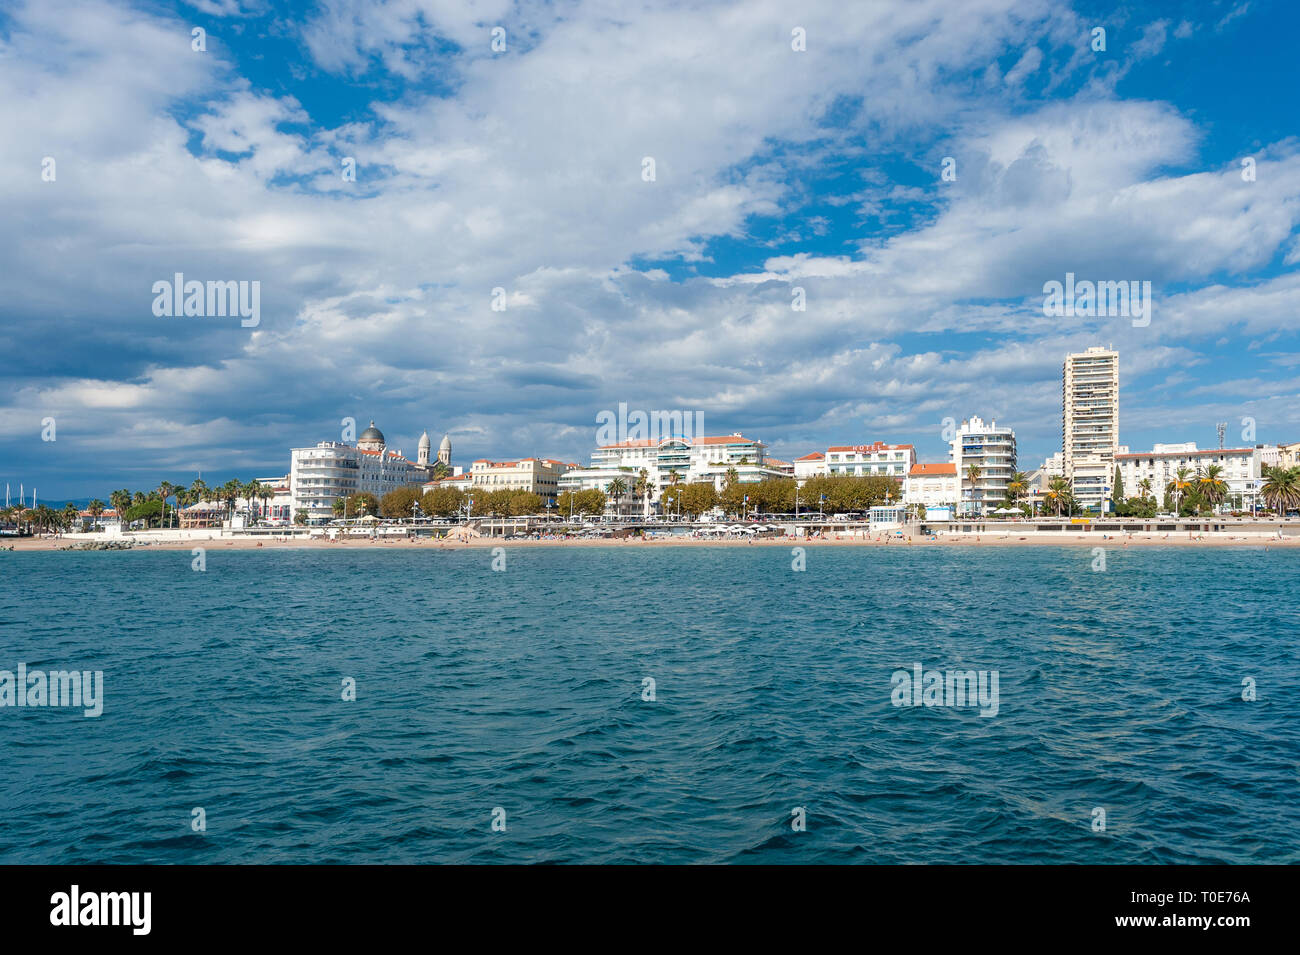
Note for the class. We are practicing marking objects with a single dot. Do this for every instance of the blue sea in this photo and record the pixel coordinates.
(519, 695)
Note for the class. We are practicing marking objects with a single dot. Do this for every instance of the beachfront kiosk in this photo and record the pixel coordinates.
(887, 515)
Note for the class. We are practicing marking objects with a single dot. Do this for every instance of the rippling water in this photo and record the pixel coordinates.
(522, 689)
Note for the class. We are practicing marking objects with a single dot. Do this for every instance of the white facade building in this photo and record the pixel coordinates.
(932, 485)
(871, 460)
(689, 460)
(857, 460)
(810, 465)
(1241, 468)
(993, 450)
(320, 475)
(1090, 423)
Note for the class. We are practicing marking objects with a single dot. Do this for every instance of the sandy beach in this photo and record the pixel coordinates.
(1010, 539)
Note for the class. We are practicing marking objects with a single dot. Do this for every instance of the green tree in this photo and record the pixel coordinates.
(70, 517)
(165, 490)
(1058, 493)
(1281, 488)
(120, 500)
(300, 518)
(361, 504)
(1179, 486)
(1211, 486)
(616, 489)
(644, 488)
(443, 501)
(973, 472)
(399, 502)
(696, 499)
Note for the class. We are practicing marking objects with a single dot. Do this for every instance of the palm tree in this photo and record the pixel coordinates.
(1211, 485)
(248, 492)
(1281, 488)
(120, 500)
(973, 475)
(183, 500)
(230, 494)
(1144, 486)
(95, 508)
(616, 489)
(1058, 491)
(264, 494)
(673, 478)
(1016, 487)
(730, 478)
(644, 487)
(165, 490)
(1179, 486)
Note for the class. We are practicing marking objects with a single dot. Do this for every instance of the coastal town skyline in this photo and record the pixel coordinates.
(705, 433)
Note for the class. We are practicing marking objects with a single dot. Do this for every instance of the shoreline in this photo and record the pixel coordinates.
(57, 544)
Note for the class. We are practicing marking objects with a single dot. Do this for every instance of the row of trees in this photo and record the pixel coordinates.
(43, 518)
(151, 506)
(408, 502)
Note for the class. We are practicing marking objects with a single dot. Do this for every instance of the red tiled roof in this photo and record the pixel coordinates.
(932, 470)
(815, 456)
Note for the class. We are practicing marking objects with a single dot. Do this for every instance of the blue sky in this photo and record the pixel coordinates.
(522, 170)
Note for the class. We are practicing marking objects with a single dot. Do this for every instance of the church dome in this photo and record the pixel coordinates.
(446, 443)
(424, 441)
(371, 434)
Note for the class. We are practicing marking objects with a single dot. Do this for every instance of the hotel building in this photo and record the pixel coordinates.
(535, 475)
(857, 460)
(691, 460)
(1241, 468)
(993, 450)
(321, 475)
(1090, 424)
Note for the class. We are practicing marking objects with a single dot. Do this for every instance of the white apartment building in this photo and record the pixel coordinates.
(932, 485)
(868, 460)
(810, 465)
(539, 476)
(993, 450)
(320, 475)
(1090, 423)
(857, 460)
(1241, 468)
(690, 460)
